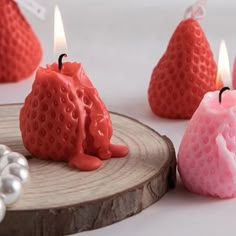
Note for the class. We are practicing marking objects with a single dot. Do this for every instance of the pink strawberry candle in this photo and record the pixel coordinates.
(207, 153)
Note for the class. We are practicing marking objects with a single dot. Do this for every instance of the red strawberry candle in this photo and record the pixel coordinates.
(185, 72)
(20, 49)
(64, 119)
(207, 153)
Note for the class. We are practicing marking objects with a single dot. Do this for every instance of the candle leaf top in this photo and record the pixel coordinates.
(197, 11)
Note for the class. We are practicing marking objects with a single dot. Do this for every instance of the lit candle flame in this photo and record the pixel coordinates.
(60, 45)
(223, 71)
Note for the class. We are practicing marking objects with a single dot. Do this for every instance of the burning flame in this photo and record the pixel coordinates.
(60, 45)
(223, 72)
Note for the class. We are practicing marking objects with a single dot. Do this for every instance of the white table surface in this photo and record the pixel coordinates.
(119, 43)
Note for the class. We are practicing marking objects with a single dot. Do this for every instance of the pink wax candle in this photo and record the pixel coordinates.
(207, 153)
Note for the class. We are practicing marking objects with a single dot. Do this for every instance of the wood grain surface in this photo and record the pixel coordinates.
(60, 201)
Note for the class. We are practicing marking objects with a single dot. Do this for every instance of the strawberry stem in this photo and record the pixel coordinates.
(60, 60)
(221, 92)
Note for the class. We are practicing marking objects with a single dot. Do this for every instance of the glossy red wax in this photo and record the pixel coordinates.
(63, 118)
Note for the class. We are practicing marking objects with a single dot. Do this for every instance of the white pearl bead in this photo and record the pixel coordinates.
(2, 209)
(13, 173)
(17, 170)
(13, 157)
(10, 189)
(4, 149)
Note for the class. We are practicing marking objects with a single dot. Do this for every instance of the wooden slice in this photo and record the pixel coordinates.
(59, 200)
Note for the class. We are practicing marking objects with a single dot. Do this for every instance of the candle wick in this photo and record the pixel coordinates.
(221, 92)
(60, 60)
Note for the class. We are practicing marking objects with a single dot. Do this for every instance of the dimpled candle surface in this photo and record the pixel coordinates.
(207, 153)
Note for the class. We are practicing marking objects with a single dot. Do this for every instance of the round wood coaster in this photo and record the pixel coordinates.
(59, 200)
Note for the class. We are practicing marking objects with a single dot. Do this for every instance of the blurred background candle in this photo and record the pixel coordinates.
(20, 48)
(234, 74)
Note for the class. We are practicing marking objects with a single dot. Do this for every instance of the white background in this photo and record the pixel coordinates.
(119, 43)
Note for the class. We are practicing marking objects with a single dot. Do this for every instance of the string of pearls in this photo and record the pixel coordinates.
(14, 172)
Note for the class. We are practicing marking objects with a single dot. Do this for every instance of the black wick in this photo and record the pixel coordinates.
(221, 92)
(60, 60)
